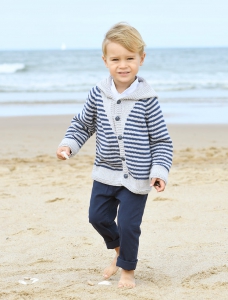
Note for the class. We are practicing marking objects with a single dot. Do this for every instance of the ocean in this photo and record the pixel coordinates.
(192, 83)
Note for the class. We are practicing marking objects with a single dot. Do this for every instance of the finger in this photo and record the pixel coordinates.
(64, 154)
(66, 150)
(152, 181)
(59, 154)
(157, 188)
(161, 188)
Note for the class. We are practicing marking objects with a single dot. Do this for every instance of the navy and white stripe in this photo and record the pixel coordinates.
(146, 139)
(83, 125)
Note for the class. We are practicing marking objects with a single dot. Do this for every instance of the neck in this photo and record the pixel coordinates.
(121, 87)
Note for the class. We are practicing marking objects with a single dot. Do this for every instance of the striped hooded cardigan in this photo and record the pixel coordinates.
(132, 141)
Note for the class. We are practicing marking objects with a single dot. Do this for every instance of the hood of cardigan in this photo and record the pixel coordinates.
(143, 91)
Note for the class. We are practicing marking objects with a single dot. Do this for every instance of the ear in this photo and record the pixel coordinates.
(142, 58)
(105, 60)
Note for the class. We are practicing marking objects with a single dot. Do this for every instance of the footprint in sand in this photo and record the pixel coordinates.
(41, 261)
(213, 277)
(30, 230)
(5, 196)
(162, 199)
(176, 219)
(54, 200)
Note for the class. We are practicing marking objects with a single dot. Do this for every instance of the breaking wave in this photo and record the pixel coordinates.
(11, 68)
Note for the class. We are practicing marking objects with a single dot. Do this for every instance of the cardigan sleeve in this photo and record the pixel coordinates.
(83, 125)
(160, 142)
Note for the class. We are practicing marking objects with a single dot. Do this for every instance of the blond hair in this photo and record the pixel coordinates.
(125, 35)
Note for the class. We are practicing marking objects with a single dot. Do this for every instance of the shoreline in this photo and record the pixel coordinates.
(175, 112)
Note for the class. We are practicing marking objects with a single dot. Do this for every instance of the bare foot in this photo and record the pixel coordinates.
(127, 279)
(112, 269)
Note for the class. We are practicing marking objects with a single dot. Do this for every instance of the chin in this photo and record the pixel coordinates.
(125, 78)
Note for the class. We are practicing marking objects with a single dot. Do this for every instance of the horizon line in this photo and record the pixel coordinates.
(96, 48)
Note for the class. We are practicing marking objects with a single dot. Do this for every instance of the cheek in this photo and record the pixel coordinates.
(112, 67)
(136, 66)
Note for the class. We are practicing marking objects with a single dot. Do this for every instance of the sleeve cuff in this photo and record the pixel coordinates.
(158, 171)
(72, 144)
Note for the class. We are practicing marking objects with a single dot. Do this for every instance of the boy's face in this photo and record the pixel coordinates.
(123, 65)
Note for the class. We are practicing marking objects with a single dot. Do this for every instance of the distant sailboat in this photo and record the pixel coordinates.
(63, 46)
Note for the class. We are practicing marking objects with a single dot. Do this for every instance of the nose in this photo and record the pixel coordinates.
(122, 64)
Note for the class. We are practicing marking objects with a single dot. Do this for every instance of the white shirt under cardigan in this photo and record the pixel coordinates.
(128, 91)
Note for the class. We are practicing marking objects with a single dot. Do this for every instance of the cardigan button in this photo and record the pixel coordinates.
(117, 118)
(122, 158)
(125, 176)
(120, 137)
(118, 102)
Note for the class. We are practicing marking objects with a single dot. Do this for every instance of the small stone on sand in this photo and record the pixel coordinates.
(104, 282)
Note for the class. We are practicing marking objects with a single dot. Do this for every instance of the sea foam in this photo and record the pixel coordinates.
(11, 68)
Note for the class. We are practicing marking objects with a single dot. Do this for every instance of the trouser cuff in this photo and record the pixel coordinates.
(126, 265)
(113, 244)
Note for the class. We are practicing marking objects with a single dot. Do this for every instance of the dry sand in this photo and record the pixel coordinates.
(45, 231)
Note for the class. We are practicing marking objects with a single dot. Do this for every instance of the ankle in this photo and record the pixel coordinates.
(128, 271)
(117, 250)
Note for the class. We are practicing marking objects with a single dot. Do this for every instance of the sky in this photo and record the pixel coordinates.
(47, 24)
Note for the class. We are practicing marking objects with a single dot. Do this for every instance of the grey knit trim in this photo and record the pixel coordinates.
(116, 178)
(158, 171)
(143, 91)
(72, 144)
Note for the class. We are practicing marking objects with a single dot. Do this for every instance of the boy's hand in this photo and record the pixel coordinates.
(61, 149)
(158, 184)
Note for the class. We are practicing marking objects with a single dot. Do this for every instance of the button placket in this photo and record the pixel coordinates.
(119, 132)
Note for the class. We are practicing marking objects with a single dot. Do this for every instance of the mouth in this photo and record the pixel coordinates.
(123, 73)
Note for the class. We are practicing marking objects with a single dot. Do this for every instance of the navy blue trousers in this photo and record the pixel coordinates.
(106, 201)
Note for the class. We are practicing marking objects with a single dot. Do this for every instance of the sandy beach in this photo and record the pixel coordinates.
(44, 219)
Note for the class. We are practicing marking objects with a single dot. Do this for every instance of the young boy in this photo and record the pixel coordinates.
(133, 148)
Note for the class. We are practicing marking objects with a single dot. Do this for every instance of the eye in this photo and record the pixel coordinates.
(130, 58)
(114, 59)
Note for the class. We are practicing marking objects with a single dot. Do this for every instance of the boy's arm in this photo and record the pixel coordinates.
(160, 141)
(82, 127)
